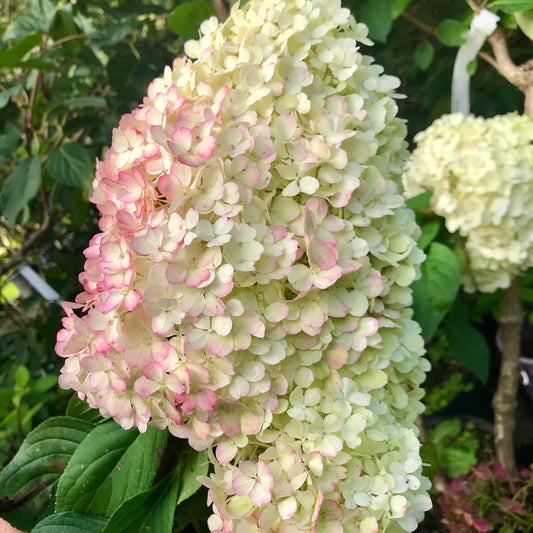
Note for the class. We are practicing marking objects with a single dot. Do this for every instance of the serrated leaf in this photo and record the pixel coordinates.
(12, 56)
(20, 187)
(525, 21)
(398, 7)
(109, 467)
(152, 510)
(435, 291)
(70, 523)
(510, 6)
(377, 15)
(467, 344)
(43, 455)
(185, 19)
(20, 27)
(424, 55)
(196, 464)
(70, 164)
(451, 32)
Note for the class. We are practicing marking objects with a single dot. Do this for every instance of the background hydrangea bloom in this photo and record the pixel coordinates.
(249, 287)
(480, 172)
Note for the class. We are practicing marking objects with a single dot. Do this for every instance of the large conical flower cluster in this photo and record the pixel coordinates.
(249, 287)
(480, 172)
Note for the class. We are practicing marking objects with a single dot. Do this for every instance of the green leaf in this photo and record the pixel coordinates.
(9, 141)
(429, 232)
(70, 523)
(435, 291)
(70, 164)
(186, 18)
(421, 201)
(44, 11)
(80, 409)
(510, 6)
(109, 467)
(525, 21)
(43, 455)
(79, 102)
(22, 377)
(37, 19)
(451, 32)
(20, 27)
(424, 55)
(467, 344)
(8, 93)
(12, 56)
(44, 384)
(151, 510)
(398, 7)
(377, 15)
(471, 67)
(197, 465)
(20, 187)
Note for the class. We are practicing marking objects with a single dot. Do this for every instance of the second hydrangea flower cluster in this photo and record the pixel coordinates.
(480, 172)
(249, 286)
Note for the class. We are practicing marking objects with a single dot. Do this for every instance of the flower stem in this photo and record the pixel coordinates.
(504, 401)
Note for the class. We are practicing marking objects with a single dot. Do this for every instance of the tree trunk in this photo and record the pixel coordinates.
(504, 401)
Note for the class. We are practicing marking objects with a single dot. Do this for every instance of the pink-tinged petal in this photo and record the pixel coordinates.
(276, 312)
(481, 525)
(226, 452)
(220, 346)
(202, 429)
(206, 147)
(222, 325)
(326, 278)
(287, 508)
(250, 422)
(189, 160)
(285, 127)
(241, 484)
(116, 383)
(331, 445)
(311, 315)
(197, 338)
(146, 387)
(323, 255)
(300, 277)
(259, 495)
(180, 141)
(131, 300)
(207, 399)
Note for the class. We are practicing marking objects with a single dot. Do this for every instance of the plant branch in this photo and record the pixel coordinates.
(504, 401)
(222, 8)
(10, 504)
(426, 28)
(30, 242)
(68, 38)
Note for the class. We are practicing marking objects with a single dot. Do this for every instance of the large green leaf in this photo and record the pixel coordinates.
(8, 93)
(510, 6)
(70, 523)
(43, 455)
(71, 164)
(186, 18)
(195, 464)
(151, 510)
(109, 467)
(20, 187)
(435, 291)
(377, 15)
(14, 55)
(466, 342)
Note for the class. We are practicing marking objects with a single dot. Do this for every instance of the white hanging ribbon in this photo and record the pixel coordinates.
(38, 283)
(481, 27)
